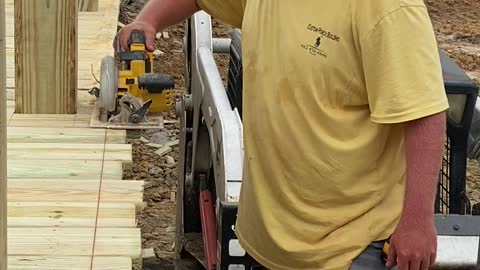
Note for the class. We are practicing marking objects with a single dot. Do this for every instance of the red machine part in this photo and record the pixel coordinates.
(209, 225)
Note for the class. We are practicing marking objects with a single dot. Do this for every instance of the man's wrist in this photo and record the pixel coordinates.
(416, 216)
(419, 202)
(146, 20)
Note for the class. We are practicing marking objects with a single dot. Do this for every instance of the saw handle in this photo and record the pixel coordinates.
(137, 37)
(156, 83)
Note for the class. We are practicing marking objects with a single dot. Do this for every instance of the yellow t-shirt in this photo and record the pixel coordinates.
(327, 88)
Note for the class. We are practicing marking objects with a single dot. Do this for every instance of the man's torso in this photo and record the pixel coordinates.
(321, 179)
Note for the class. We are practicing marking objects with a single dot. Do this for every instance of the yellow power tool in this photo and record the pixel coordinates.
(129, 89)
(386, 250)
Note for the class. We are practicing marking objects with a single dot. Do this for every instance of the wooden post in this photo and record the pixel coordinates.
(88, 5)
(46, 56)
(3, 140)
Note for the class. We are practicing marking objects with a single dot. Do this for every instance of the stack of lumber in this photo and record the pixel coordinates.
(67, 202)
(68, 205)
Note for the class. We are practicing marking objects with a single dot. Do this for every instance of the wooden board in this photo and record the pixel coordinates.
(46, 56)
(60, 190)
(71, 214)
(65, 135)
(3, 143)
(70, 263)
(69, 151)
(88, 5)
(50, 120)
(96, 31)
(10, 109)
(53, 213)
(74, 242)
(64, 169)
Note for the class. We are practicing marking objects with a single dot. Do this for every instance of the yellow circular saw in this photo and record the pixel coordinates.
(129, 89)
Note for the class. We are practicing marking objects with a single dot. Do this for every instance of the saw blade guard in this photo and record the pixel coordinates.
(108, 87)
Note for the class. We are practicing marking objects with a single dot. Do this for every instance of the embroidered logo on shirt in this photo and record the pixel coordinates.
(315, 47)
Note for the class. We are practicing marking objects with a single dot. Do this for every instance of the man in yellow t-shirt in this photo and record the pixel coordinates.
(344, 126)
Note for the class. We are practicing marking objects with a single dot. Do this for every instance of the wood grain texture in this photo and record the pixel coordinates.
(88, 5)
(46, 56)
(64, 169)
(74, 242)
(3, 142)
(10, 110)
(96, 31)
(53, 203)
(71, 214)
(50, 120)
(70, 263)
(69, 151)
(60, 190)
(65, 135)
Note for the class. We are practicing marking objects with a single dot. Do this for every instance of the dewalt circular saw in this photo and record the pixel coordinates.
(129, 89)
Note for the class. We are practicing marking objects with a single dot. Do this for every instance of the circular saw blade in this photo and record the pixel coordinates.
(108, 87)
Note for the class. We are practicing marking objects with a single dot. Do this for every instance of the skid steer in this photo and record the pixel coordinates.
(211, 153)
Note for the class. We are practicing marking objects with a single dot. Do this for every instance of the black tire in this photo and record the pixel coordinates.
(235, 72)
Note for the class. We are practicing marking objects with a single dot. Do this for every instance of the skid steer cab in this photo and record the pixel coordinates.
(211, 152)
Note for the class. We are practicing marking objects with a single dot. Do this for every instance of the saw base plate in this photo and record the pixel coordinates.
(155, 121)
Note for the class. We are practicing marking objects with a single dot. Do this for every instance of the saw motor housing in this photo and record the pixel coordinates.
(136, 76)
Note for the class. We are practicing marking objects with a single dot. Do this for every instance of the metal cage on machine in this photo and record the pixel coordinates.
(462, 95)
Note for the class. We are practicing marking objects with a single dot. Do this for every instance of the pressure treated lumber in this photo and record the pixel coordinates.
(46, 56)
(65, 135)
(3, 142)
(88, 5)
(64, 169)
(64, 151)
(104, 21)
(50, 120)
(70, 263)
(10, 110)
(60, 190)
(71, 214)
(74, 242)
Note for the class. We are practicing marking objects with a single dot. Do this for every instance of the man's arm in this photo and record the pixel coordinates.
(414, 243)
(165, 13)
(157, 15)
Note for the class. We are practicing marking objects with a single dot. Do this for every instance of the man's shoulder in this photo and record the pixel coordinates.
(369, 13)
(384, 7)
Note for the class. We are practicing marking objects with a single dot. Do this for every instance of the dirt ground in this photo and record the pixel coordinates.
(457, 26)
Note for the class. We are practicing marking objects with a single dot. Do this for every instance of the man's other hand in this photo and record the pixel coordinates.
(413, 246)
(124, 34)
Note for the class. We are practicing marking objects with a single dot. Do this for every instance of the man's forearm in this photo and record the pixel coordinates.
(165, 13)
(424, 139)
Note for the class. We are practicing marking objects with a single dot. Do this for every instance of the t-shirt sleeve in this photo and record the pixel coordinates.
(228, 11)
(402, 67)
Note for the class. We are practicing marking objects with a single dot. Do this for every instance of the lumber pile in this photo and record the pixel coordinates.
(68, 204)
(67, 201)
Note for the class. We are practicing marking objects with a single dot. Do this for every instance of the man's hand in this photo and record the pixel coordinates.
(148, 29)
(413, 246)
(155, 16)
